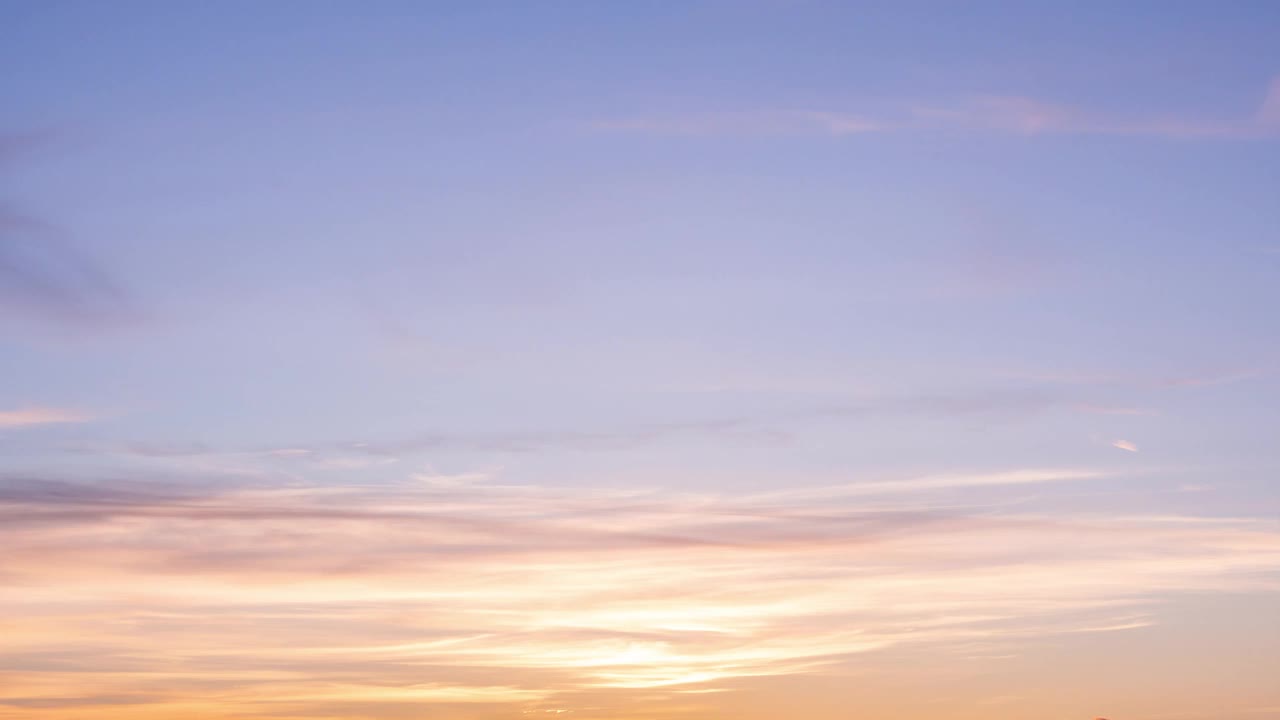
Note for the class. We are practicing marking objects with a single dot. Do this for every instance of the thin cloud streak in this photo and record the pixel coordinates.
(46, 278)
(985, 113)
(27, 417)
(745, 123)
(945, 482)
(42, 276)
(328, 601)
(751, 430)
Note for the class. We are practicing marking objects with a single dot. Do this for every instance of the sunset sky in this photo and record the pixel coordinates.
(759, 359)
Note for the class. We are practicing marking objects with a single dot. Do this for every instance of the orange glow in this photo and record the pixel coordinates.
(362, 602)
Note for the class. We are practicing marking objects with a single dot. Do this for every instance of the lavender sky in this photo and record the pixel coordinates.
(609, 360)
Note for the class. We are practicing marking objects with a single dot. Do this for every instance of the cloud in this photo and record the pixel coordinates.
(46, 277)
(351, 462)
(287, 452)
(1201, 379)
(27, 417)
(948, 482)
(778, 428)
(1269, 113)
(745, 123)
(746, 430)
(330, 601)
(16, 144)
(1097, 409)
(43, 276)
(1124, 445)
(351, 455)
(984, 113)
(985, 401)
(1029, 116)
(1222, 378)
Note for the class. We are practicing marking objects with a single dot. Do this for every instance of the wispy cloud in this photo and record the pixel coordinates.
(984, 113)
(956, 481)
(783, 122)
(1124, 445)
(1152, 380)
(1029, 116)
(1221, 378)
(26, 417)
(316, 601)
(1269, 113)
(356, 454)
(776, 428)
(16, 144)
(46, 277)
(43, 276)
(1097, 409)
(995, 404)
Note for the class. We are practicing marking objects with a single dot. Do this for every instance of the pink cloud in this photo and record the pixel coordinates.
(26, 417)
(1269, 113)
(1030, 116)
(985, 113)
(517, 594)
(767, 122)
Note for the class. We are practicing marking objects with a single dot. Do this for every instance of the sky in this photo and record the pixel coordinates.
(639, 361)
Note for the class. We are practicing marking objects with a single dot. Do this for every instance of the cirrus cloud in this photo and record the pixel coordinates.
(313, 601)
(26, 417)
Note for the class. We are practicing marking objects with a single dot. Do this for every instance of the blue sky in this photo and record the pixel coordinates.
(312, 224)
(717, 247)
